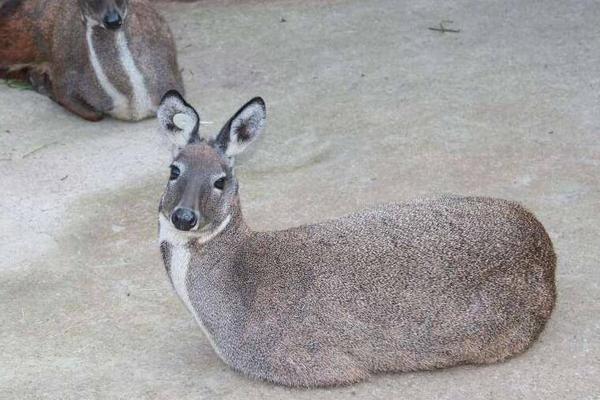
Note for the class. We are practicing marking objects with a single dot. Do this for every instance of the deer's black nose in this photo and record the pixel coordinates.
(112, 19)
(184, 219)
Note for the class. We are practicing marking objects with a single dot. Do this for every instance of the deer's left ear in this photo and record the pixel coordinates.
(243, 128)
(179, 121)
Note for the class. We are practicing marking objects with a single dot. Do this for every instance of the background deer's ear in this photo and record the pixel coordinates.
(243, 128)
(178, 120)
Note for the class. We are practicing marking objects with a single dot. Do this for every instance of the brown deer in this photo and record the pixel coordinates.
(410, 286)
(94, 57)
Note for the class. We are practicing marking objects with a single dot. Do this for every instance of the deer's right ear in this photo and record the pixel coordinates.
(178, 121)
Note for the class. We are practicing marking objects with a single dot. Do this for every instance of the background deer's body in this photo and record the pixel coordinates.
(90, 70)
(402, 287)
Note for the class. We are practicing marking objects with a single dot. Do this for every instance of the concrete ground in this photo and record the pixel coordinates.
(365, 105)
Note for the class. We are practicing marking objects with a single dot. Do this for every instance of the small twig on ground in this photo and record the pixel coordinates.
(84, 347)
(443, 29)
(37, 149)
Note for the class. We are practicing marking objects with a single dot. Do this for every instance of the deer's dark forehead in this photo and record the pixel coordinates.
(202, 157)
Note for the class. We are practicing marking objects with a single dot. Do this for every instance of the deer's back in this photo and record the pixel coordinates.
(25, 30)
(153, 48)
(404, 286)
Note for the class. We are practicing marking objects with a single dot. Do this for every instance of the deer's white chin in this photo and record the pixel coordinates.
(206, 235)
(90, 22)
(169, 233)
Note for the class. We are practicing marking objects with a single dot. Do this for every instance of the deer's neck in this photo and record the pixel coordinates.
(119, 100)
(206, 274)
(136, 103)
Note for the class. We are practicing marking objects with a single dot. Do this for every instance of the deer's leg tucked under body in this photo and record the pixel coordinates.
(72, 102)
(39, 77)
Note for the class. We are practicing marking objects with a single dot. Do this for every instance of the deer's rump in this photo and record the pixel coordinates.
(418, 285)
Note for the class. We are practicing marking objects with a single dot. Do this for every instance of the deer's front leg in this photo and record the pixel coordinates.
(39, 77)
(76, 105)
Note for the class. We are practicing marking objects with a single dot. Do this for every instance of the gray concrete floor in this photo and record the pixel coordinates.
(366, 105)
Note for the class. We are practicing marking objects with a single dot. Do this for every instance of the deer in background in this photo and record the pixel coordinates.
(94, 57)
(420, 285)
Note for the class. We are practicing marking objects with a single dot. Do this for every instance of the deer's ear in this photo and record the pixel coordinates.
(243, 128)
(178, 120)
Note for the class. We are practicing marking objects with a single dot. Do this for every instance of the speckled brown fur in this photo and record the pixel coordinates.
(426, 284)
(45, 42)
(24, 32)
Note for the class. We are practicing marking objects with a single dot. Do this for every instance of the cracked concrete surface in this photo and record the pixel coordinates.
(365, 105)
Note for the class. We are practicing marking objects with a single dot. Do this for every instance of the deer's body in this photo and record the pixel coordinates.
(413, 286)
(90, 70)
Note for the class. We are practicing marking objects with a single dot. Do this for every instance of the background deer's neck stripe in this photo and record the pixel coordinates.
(140, 96)
(119, 100)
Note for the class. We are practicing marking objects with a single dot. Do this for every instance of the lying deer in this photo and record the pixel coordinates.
(94, 57)
(401, 287)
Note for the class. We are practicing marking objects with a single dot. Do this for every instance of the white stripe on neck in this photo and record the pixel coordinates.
(180, 262)
(120, 102)
(142, 105)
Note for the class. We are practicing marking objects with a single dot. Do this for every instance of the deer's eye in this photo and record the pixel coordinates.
(220, 183)
(174, 173)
